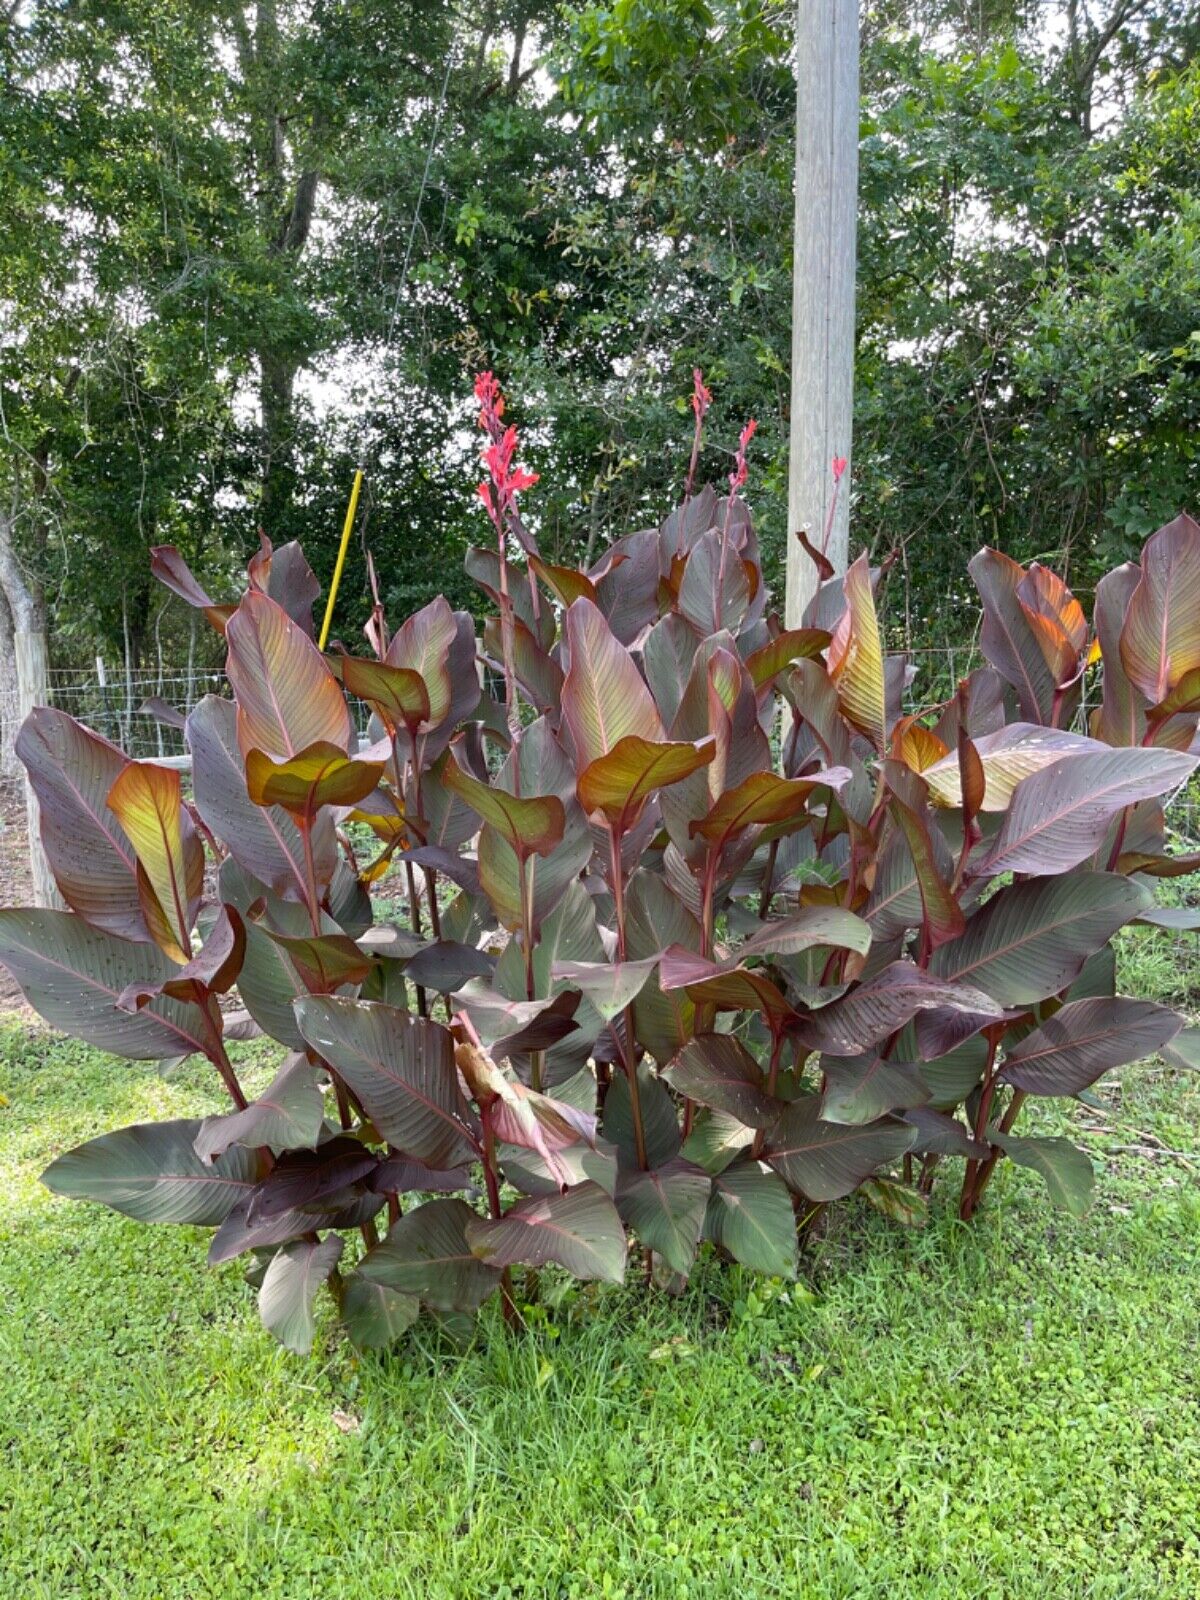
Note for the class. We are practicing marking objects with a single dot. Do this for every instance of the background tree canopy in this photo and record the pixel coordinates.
(244, 247)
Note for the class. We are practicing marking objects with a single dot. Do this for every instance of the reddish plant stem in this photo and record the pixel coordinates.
(535, 1056)
(768, 888)
(719, 588)
(310, 875)
(414, 914)
(628, 1056)
(219, 1056)
(512, 1315)
(777, 1037)
(990, 1165)
(967, 1199)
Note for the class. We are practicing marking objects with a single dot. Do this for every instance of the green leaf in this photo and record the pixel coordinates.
(1066, 1170)
(289, 1114)
(654, 919)
(151, 1172)
(825, 1160)
(750, 1215)
(323, 962)
(715, 1140)
(666, 1207)
(1184, 1050)
(1085, 1039)
(718, 1071)
(810, 928)
(531, 1173)
(374, 1315)
(1030, 940)
(660, 1123)
(289, 1288)
(861, 1088)
(579, 1230)
(610, 986)
(73, 975)
(400, 1068)
(426, 1255)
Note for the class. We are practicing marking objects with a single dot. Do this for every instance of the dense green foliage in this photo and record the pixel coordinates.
(1009, 1408)
(242, 247)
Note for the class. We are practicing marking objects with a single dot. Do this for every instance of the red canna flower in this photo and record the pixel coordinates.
(504, 480)
(491, 404)
(701, 397)
(738, 476)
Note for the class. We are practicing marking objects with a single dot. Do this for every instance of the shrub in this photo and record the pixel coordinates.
(657, 979)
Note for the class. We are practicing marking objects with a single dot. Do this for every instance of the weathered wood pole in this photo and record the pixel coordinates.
(823, 285)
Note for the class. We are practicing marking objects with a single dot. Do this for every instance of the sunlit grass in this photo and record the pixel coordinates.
(1006, 1409)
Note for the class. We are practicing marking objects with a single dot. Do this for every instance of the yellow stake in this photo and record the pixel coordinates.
(341, 560)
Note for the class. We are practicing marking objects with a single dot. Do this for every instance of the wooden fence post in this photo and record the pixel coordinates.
(822, 285)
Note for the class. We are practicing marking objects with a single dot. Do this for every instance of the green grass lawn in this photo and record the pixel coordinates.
(1006, 1409)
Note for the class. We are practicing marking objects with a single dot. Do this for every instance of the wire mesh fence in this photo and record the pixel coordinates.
(131, 711)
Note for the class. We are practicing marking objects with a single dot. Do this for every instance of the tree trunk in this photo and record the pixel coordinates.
(10, 719)
(278, 464)
(33, 689)
(823, 287)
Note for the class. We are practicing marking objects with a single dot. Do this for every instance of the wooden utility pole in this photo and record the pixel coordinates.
(823, 285)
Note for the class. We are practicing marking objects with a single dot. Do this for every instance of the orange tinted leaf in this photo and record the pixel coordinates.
(763, 797)
(856, 658)
(918, 747)
(397, 693)
(604, 698)
(532, 825)
(910, 808)
(287, 697)
(565, 583)
(619, 783)
(148, 802)
(794, 644)
(319, 776)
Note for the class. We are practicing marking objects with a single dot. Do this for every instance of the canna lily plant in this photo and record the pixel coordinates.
(664, 979)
